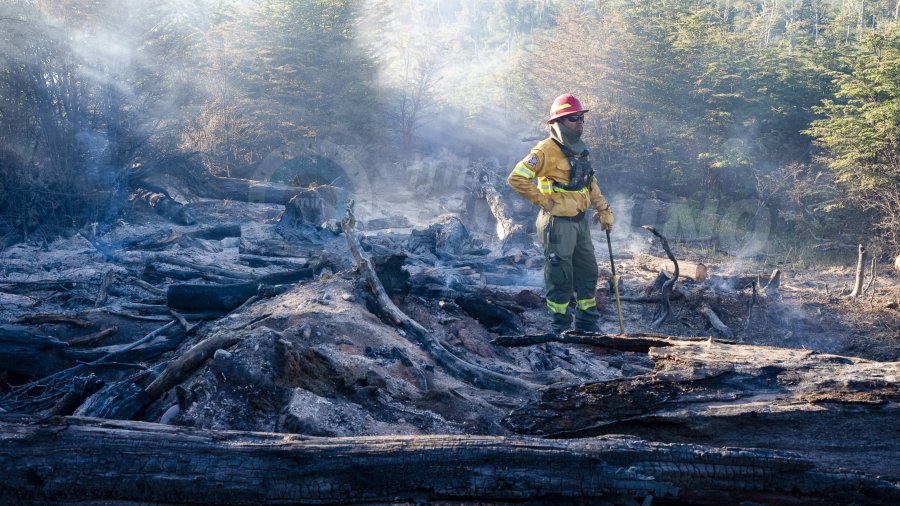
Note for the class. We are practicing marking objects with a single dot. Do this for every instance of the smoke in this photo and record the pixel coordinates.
(451, 90)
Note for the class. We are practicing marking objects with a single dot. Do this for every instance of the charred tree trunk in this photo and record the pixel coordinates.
(82, 460)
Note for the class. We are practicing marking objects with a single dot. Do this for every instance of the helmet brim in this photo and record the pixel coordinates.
(567, 113)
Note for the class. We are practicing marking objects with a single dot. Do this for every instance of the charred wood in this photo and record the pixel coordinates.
(26, 287)
(513, 236)
(417, 333)
(490, 313)
(621, 342)
(834, 409)
(230, 296)
(22, 352)
(46, 392)
(271, 246)
(39, 318)
(715, 321)
(203, 268)
(270, 261)
(93, 338)
(244, 190)
(103, 292)
(180, 368)
(665, 309)
(85, 460)
(164, 205)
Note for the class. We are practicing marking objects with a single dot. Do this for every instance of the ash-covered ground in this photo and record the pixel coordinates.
(319, 358)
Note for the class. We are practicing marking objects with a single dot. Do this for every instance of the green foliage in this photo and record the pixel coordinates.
(860, 129)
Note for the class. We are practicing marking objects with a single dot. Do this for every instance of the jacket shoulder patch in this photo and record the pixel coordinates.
(531, 161)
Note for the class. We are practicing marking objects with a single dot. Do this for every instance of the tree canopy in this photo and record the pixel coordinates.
(791, 103)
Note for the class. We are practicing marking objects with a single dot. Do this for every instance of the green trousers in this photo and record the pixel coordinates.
(570, 269)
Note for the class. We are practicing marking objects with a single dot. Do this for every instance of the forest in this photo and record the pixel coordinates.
(265, 252)
(790, 104)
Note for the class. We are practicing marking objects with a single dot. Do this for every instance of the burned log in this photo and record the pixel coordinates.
(836, 409)
(164, 205)
(82, 460)
(244, 190)
(166, 238)
(715, 321)
(621, 342)
(228, 297)
(52, 388)
(23, 352)
(38, 318)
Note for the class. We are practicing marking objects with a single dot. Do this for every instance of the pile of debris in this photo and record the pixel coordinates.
(434, 339)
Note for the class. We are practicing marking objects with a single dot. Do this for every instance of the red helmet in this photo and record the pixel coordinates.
(565, 105)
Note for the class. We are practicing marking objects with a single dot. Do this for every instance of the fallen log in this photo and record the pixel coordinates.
(23, 352)
(52, 387)
(269, 261)
(228, 297)
(697, 272)
(839, 411)
(71, 460)
(164, 205)
(245, 190)
(25, 287)
(184, 365)
(38, 318)
(93, 338)
(714, 320)
(621, 342)
(163, 239)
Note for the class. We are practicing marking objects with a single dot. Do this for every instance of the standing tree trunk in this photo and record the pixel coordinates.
(860, 273)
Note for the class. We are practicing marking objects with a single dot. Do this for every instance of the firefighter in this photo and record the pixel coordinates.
(566, 188)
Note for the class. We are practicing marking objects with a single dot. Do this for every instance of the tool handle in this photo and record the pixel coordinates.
(612, 264)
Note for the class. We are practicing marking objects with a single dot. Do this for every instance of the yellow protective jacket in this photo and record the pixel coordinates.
(547, 163)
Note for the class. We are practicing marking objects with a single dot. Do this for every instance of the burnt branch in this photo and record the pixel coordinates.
(665, 308)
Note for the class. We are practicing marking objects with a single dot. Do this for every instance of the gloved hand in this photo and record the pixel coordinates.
(605, 219)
